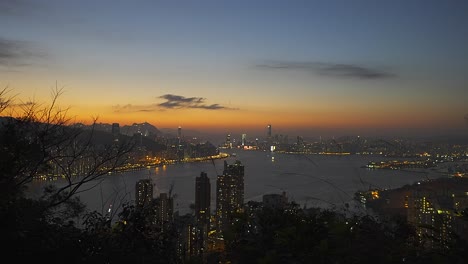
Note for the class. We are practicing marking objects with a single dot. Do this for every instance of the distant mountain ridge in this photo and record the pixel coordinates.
(146, 129)
(102, 134)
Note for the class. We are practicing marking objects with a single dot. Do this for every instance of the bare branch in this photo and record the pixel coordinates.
(41, 140)
(5, 100)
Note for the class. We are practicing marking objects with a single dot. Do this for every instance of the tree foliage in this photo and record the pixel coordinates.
(326, 236)
(39, 140)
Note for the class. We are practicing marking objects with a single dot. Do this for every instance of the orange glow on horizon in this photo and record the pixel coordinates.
(248, 117)
(222, 120)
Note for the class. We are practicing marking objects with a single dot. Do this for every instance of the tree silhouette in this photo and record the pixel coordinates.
(40, 140)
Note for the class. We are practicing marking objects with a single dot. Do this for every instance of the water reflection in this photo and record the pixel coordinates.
(312, 180)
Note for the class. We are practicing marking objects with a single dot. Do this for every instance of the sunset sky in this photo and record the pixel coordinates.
(318, 67)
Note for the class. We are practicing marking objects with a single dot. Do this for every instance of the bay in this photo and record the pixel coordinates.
(309, 180)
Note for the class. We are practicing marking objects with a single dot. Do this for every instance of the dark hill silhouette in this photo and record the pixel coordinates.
(106, 138)
(100, 135)
(145, 128)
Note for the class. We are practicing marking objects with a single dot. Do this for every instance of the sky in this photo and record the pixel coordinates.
(305, 67)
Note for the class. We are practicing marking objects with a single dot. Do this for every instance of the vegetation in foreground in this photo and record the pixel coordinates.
(56, 227)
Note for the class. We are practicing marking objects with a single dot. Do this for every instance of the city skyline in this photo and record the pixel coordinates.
(307, 68)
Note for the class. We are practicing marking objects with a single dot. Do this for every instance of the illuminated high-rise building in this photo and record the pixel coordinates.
(202, 199)
(228, 143)
(186, 237)
(165, 208)
(432, 215)
(269, 138)
(244, 137)
(229, 194)
(202, 212)
(180, 150)
(143, 193)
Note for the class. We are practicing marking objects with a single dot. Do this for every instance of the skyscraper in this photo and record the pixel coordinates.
(228, 143)
(269, 138)
(244, 138)
(202, 199)
(202, 211)
(229, 194)
(432, 215)
(143, 192)
(165, 208)
(180, 151)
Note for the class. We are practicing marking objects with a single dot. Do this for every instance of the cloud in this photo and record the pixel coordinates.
(338, 70)
(178, 102)
(211, 107)
(129, 108)
(171, 102)
(178, 98)
(18, 7)
(8, 7)
(14, 53)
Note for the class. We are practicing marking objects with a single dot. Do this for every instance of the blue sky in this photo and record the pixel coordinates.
(302, 65)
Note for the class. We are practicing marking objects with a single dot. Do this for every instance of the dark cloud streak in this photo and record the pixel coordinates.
(13, 53)
(211, 107)
(129, 108)
(177, 102)
(172, 102)
(178, 98)
(338, 70)
(19, 7)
